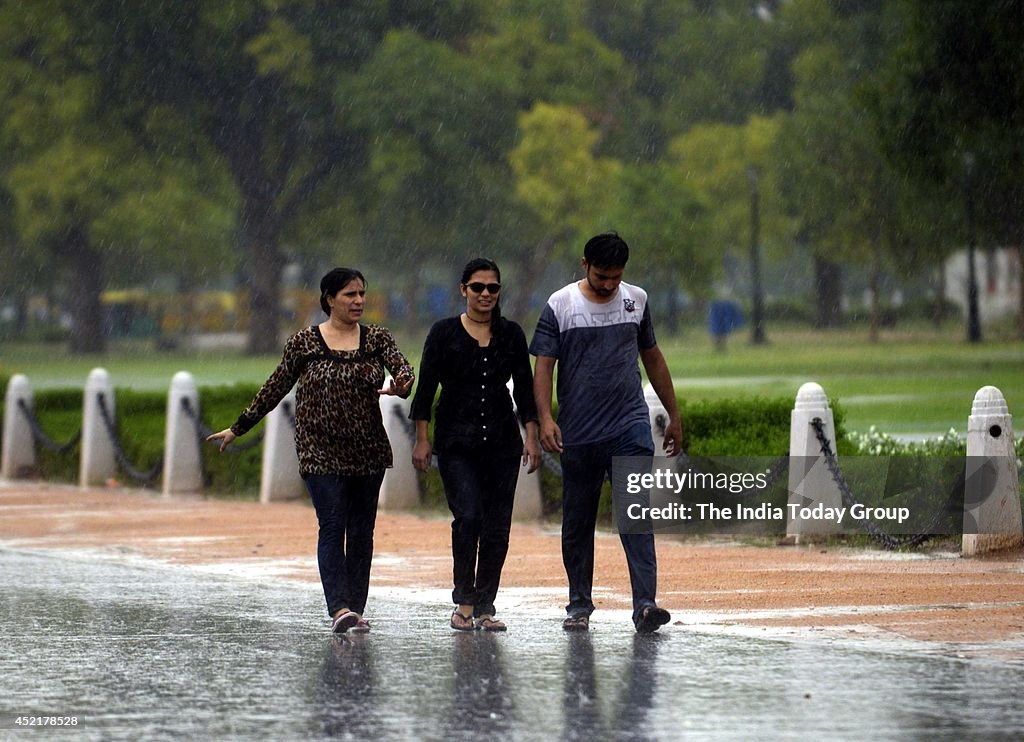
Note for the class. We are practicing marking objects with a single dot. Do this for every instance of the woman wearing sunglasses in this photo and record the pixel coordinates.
(476, 435)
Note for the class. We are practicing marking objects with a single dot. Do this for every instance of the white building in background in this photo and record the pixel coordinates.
(999, 276)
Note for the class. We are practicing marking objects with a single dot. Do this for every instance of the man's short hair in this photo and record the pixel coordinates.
(606, 250)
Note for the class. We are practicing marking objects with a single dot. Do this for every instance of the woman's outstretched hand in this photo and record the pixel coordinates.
(224, 438)
(401, 385)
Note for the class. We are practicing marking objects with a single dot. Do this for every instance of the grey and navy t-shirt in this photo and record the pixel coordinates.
(600, 391)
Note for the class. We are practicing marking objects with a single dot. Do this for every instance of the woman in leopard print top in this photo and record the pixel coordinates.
(340, 439)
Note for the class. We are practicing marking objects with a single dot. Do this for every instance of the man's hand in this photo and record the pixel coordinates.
(551, 436)
(673, 437)
(421, 454)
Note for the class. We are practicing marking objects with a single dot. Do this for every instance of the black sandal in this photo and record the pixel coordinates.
(462, 622)
(490, 623)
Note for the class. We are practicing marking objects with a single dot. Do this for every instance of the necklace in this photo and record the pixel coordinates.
(478, 321)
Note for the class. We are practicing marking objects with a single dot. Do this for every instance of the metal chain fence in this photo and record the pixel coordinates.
(888, 541)
(203, 431)
(40, 436)
(143, 477)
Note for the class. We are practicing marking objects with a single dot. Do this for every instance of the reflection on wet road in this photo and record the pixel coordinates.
(149, 652)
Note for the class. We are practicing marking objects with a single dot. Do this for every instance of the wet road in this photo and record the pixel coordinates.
(150, 652)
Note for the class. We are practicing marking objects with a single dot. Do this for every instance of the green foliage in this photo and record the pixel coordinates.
(730, 427)
(713, 66)
(558, 175)
(724, 162)
(738, 427)
(141, 423)
(189, 138)
(666, 219)
(950, 90)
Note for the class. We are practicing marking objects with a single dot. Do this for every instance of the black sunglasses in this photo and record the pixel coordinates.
(478, 288)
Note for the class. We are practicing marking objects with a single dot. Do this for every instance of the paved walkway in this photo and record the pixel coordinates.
(709, 585)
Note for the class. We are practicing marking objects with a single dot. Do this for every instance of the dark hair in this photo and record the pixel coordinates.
(484, 264)
(606, 250)
(334, 282)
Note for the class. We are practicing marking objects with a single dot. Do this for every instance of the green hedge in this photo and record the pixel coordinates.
(749, 427)
(141, 425)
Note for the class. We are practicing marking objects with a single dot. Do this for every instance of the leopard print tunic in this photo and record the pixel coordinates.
(338, 425)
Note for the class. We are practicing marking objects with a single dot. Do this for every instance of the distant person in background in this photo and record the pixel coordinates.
(476, 436)
(342, 447)
(724, 318)
(596, 330)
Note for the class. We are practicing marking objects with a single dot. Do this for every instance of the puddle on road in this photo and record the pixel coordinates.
(143, 651)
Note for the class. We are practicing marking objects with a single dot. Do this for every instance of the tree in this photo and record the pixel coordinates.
(268, 88)
(848, 203)
(952, 89)
(664, 219)
(731, 166)
(694, 62)
(439, 123)
(78, 161)
(559, 177)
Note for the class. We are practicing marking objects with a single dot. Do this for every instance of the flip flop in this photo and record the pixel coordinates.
(344, 621)
(490, 623)
(461, 622)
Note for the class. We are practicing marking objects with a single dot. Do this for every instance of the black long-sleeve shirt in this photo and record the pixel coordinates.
(474, 412)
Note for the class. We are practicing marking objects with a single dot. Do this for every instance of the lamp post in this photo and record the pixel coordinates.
(973, 321)
(757, 298)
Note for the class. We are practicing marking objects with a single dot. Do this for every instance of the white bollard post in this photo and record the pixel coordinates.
(97, 463)
(992, 514)
(279, 471)
(527, 504)
(810, 481)
(400, 489)
(658, 415)
(19, 450)
(183, 463)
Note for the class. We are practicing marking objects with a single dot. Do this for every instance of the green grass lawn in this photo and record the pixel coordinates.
(908, 382)
(911, 381)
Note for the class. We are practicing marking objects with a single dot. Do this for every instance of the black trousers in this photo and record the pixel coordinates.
(480, 491)
(346, 508)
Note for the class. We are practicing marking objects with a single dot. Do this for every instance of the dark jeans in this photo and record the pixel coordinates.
(583, 473)
(346, 508)
(480, 492)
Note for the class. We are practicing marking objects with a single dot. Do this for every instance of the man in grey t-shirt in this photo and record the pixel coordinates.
(596, 330)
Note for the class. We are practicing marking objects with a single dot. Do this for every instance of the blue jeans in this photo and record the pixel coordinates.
(584, 469)
(346, 509)
(480, 492)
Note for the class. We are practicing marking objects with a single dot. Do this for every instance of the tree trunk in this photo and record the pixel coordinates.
(414, 297)
(1020, 284)
(82, 293)
(672, 310)
(531, 268)
(939, 307)
(264, 263)
(20, 314)
(828, 287)
(874, 278)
